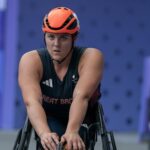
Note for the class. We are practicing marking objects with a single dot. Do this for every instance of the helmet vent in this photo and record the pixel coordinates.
(73, 25)
(65, 8)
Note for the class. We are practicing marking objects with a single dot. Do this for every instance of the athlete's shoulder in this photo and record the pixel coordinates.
(94, 53)
(88, 50)
(92, 50)
(30, 59)
(31, 55)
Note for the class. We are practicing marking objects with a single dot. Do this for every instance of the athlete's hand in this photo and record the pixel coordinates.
(49, 140)
(73, 140)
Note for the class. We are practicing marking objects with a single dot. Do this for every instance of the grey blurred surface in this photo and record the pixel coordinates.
(124, 141)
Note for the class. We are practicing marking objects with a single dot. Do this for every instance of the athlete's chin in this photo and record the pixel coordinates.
(57, 58)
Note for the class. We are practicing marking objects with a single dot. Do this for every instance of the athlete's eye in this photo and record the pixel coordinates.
(65, 37)
(50, 36)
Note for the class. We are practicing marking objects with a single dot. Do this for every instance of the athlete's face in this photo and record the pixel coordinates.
(58, 45)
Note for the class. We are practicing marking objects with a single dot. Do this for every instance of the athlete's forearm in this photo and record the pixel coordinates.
(37, 117)
(77, 113)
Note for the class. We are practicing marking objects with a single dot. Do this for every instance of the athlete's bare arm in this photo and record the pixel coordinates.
(90, 74)
(30, 73)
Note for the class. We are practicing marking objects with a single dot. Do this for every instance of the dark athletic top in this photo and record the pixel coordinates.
(57, 94)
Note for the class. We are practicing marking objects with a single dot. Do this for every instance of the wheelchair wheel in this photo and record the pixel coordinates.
(23, 137)
(105, 142)
(91, 145)
(17, 140)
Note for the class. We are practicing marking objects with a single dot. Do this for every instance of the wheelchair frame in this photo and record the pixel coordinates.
(108, 141)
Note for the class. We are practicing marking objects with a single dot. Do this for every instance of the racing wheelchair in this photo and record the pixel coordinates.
(89, 134)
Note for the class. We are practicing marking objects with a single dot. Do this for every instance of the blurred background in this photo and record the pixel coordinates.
(121, 29)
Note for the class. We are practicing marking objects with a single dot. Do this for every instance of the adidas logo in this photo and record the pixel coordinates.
(48, 82)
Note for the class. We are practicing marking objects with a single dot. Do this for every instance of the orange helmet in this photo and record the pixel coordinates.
(61, 20)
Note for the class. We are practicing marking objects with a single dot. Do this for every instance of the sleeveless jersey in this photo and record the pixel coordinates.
(57, 94)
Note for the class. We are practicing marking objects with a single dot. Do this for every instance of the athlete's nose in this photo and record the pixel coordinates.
(56, 41)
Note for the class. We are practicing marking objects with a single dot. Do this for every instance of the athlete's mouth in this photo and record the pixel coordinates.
(56, 50)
